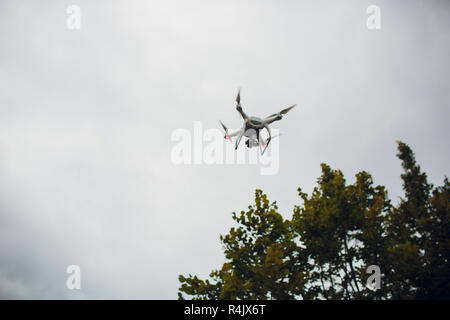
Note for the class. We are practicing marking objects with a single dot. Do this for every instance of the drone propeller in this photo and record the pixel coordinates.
(223, 126)
(284, 111)
(264, 144)
(226, 136)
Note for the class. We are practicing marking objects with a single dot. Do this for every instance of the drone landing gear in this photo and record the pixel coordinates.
(268, 139)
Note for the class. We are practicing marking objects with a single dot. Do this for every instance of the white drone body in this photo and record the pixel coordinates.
(252, 127)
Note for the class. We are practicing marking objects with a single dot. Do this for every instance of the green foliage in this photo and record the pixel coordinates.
(342, 230)
(262, 260)
(323, 252)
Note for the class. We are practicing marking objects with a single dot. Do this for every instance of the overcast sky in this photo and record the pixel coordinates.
(86, 118)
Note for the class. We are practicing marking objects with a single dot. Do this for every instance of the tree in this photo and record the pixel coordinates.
(262, 259)
(343, 231)
(333, 237)
(435, 277)
(419, 231)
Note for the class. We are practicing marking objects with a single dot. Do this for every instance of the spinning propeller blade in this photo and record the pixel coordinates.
(284, 111)
(226, 136)
(223, 126)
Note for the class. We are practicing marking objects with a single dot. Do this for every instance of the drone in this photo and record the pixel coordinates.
(252, 127)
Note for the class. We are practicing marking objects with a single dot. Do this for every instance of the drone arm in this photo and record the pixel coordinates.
(237, 132)
(273, 118)
(278, 116)
(243, 114)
